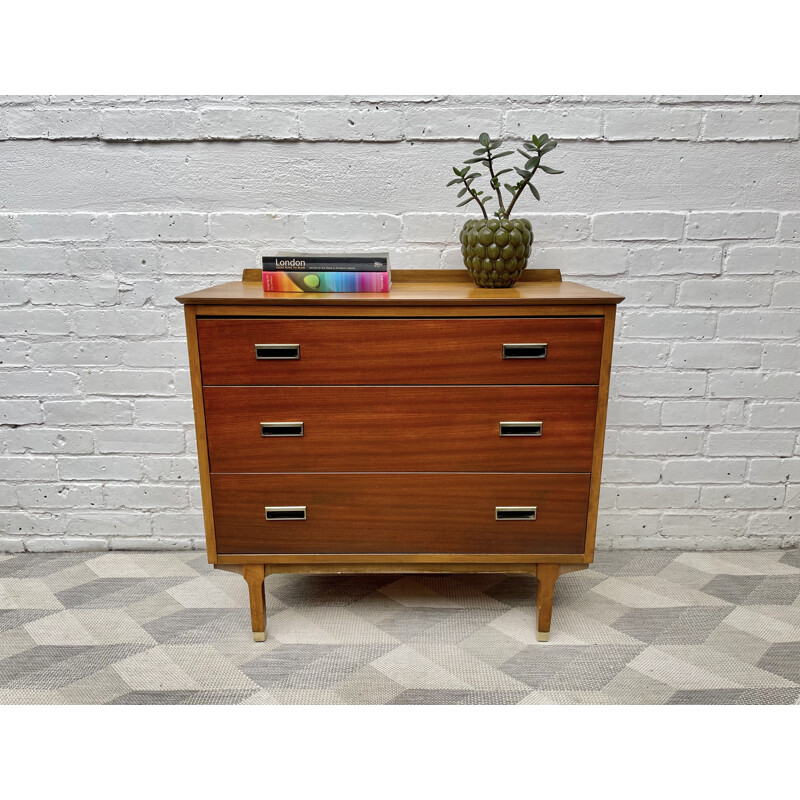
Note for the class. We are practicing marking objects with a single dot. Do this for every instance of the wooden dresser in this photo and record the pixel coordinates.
(436, 428)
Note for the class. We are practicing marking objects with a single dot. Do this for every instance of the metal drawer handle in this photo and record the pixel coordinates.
(272, 429)
(520, 428)
(515, 512)
(525, 350)
(285, 512)
(271, 352)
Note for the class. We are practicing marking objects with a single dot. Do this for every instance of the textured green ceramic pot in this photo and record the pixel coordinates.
(496, 251)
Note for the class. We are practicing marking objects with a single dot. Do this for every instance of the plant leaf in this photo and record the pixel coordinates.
(550, 170)
(462, 192)
(524, 172)
(457, 171)
(523, 153)
(479, 152)
(455, 180)
(503, 171)
(546, 148)
(473, 160)
(510, 188)
(464, 202)
(535, 140)
(529, 146)
(504, 153)
(543, 139)
(532, 163)
(484, 139)
(534, 191)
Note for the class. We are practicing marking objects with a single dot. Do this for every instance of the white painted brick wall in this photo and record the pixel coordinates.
(109, 207)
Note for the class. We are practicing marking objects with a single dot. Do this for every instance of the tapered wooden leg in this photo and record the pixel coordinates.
(546, 575)
(254, 574)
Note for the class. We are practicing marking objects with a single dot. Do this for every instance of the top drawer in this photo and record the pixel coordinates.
(361, 351)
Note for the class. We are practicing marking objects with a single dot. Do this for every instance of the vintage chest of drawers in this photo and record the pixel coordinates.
(436, 428)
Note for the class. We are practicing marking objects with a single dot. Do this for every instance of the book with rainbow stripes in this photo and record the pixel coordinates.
(316, 272)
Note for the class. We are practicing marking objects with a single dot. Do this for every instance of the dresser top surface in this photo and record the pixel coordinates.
(423, 289)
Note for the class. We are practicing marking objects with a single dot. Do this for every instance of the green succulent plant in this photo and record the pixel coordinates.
(487, 155)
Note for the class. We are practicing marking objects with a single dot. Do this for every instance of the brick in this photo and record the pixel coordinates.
(259, 227)
(140, 440)
(34, 383)
(6, 227)
(780, 356)
(652, 123)
(759, 325)
(645, 293)
(631, 470)
(669, 325)
(87, 412)
(775, 523)
(686, 260)
(48, 440)
(128, 382)
(59, 495)
(703, 470)
(199, 260)
(352, 227)
(559, 123)
(763, 259)
(660, 443)
(13, 292)
(581, 260)
(617, 525)
(35, 321)
(775, 415)
(431, 227)
(11, 544)
(33, 260)
(155, 412)
(96, 291)
(638, 225)
(62, 123)
(711, 225)
(143, 496)
(73, 227)
(343, 124)
(416, 258)
(660, 383)
(452, 123)
(77, 353)
(66, 544)
(754, 384)
(741, 497)
(752, 123)
(694, 526)
(750, 443)
(28, 468)
(559, 227)
(161, 543)
(693, 412)
(657, 497)
(249, 123)
(14, 353)
(31, 524)
(153, 353)
(790, 227)
(119, 322)
(99, 468)
(162, 226)
(640, 354)
(787, 294)
(168, 468)
(123, 261)
(20, 412)
(150, 125)
(714, 355)
(104, 523)
(626, 413)
(184, 524)
(721, 292)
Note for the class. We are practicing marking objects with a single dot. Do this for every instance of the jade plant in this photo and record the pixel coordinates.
(496, 250)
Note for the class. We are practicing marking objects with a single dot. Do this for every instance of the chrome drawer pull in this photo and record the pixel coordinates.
(520, 428)
(525, 351)
(272, 429)
(515, 512)
(285, 512)
(271, 352)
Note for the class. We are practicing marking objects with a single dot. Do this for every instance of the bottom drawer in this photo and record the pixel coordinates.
(400, 513)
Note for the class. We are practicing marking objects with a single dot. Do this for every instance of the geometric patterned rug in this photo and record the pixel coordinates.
(637, 627)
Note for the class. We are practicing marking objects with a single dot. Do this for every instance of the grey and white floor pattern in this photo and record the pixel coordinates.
(165, 628)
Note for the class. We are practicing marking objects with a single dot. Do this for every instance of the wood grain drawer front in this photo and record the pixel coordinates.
(400, 429)
(397, 513)
(546, 350)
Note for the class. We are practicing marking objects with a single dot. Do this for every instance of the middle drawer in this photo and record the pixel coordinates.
(400, 429)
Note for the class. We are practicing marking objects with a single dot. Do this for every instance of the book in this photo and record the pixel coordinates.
(307, 281)
(335, 262)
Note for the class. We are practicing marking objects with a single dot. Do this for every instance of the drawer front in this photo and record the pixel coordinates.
(398, 429)
(385, 513)
(547, 350)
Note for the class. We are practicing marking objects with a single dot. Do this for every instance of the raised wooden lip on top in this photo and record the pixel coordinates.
(413, 287)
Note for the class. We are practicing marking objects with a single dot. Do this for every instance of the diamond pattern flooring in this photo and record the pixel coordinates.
(165, 628)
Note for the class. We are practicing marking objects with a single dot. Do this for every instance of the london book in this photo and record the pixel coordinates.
(335, 262)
